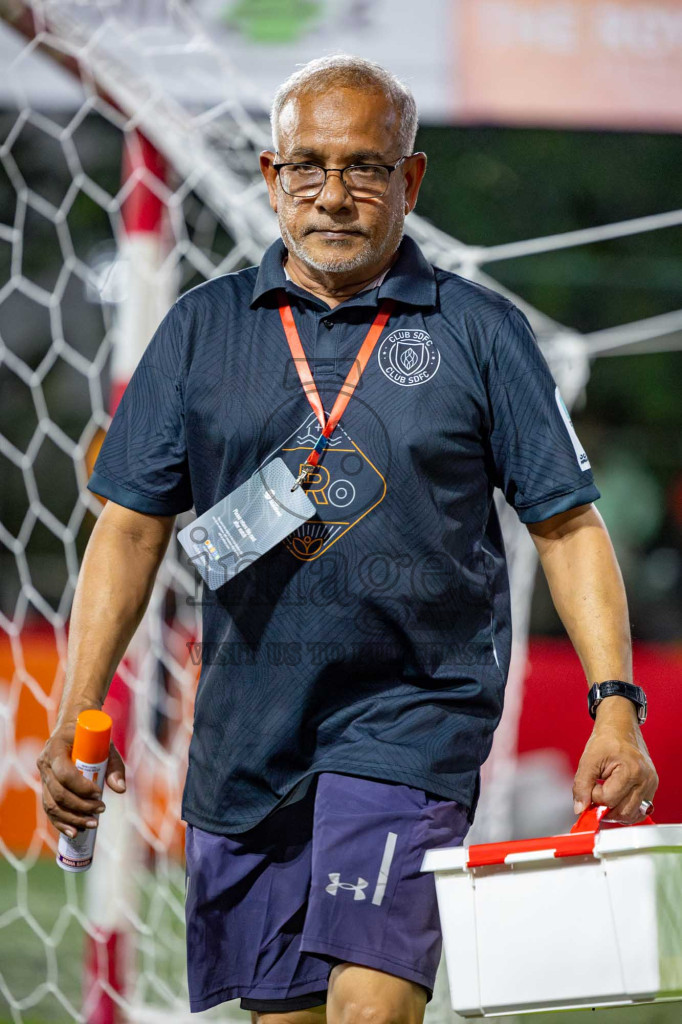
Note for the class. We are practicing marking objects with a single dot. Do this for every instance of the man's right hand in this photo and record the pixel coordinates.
(70, 800)
(115, 582)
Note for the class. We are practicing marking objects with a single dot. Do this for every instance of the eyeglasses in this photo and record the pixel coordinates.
(362, 181)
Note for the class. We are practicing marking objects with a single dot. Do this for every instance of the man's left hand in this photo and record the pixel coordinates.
(615, 768)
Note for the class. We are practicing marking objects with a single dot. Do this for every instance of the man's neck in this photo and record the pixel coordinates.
(333, 288)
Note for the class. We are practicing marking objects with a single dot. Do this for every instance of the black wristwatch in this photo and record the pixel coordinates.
(618, 688)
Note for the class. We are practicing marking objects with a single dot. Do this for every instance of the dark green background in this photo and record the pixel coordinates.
(485, 186)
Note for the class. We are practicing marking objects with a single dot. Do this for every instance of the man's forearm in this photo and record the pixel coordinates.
(113, 590)
(587, 589)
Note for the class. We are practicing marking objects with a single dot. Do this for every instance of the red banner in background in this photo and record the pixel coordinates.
(555, 716)
(583, 63)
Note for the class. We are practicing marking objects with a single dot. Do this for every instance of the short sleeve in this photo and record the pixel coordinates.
(537, 458)
(142, 463)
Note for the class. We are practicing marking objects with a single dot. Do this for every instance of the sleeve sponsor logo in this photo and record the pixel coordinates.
(580, 453)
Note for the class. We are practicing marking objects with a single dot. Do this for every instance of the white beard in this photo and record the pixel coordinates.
(339, 265)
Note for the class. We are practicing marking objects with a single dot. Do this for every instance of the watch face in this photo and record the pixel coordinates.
(593, 699)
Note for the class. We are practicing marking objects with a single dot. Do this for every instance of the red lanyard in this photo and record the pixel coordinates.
(348, 386)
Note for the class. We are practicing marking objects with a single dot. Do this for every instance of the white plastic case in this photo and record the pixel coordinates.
(593, 918)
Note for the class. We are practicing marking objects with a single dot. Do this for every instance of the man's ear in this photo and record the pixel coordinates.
(414, 171)
(267, 159)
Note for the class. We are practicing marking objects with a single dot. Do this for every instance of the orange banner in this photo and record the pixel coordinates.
(588, 63)
(554, 718)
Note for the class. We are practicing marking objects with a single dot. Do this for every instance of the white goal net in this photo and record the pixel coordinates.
(87, 274)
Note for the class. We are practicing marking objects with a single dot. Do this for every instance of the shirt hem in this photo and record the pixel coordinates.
(583, 495)
(429, 782)
(134, 500)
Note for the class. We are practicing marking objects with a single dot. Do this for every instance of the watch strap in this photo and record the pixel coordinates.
(617, 688)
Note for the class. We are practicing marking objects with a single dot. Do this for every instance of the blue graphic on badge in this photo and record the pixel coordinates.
(408, 357)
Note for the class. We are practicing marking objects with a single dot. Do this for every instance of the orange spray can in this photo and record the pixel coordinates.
(90, 755)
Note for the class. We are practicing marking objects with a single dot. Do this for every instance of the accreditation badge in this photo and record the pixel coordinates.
(273, 503)
(244, 525)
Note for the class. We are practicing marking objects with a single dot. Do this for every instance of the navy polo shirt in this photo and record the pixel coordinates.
(375, 640)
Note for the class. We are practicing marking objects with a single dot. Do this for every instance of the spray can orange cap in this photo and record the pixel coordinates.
(92, 738)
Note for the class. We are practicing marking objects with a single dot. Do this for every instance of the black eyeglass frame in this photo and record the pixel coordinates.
(341, 170)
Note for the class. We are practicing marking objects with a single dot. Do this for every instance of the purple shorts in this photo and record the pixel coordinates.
(331, 878)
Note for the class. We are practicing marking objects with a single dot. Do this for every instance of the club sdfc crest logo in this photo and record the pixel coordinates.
(408, 357)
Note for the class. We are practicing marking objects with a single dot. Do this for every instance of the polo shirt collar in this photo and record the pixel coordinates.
(411, 279)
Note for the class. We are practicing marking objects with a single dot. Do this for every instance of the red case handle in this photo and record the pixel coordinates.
(591, 820)
(578, 842)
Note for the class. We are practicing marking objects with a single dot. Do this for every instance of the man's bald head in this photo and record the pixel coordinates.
(344, 72)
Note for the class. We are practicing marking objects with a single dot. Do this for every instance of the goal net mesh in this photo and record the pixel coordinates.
(63, 331)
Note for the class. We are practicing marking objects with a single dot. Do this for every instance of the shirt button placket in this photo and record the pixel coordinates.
(325, 348)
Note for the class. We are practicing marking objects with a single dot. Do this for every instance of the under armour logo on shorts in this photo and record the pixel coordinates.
(382, 879)
(335, 885)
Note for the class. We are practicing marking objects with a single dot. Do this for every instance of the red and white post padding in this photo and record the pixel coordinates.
(148, 289)
(149, 281)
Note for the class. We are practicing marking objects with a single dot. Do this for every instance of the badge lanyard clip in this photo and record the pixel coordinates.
(347, 388)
